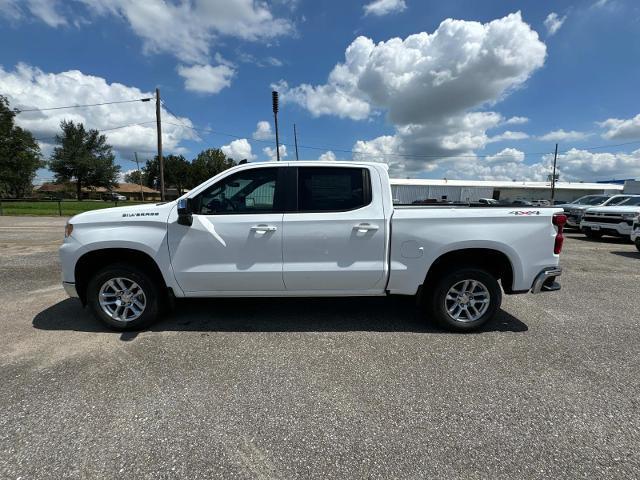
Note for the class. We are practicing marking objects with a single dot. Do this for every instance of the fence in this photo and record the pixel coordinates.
(22, 206)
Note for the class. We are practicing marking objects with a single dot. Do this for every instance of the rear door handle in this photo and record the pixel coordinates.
(365, 227)
(263, 228)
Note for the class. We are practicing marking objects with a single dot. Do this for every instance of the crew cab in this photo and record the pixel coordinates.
(278, 229)
(611, 220)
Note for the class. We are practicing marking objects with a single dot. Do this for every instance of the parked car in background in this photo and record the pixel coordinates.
(575, 210)
(635, 232)
(113, 196)
(308, 229)
(541, 203)
(520, 202)
(611, 220)
(488, 201)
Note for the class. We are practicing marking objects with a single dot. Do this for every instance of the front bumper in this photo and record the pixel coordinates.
(622, 229)
(574, 219)
(546, 280)
(70, 288)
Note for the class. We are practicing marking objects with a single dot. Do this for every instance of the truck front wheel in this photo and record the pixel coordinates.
(465, 299)
(123, 297)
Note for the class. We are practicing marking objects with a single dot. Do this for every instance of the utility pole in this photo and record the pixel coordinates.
(553, 176)
(274, 98)
(159, 130)
(295, 139)
(140, 173)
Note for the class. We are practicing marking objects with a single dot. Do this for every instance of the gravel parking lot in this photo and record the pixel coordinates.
(301, 388)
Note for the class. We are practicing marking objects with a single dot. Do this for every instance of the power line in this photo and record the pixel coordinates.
(42, 139)
(602, 146)
(18, 110)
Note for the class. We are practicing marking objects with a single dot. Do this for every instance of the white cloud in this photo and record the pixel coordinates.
(263, 131)
(28, 87)
(184, 29)
(573, 165)
(561, 135)
(271, 152)
(553, 22)
(327, 156)
(44, 10)
(238, 150)
(628, 129)
(516, 121)
(508, 155)
(384, 7)
(508, 135)
(430, 85)
(205, 78)
(584, 165)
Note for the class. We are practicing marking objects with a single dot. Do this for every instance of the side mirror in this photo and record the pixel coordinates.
(185, 216)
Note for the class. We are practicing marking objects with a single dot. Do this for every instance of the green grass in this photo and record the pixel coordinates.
(50, 208)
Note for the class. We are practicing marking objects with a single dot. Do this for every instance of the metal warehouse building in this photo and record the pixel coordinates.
(406, 191)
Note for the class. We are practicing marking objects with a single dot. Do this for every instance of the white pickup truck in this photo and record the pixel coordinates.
(308, 229)
(611, 220)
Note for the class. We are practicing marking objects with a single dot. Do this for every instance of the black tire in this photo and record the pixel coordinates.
(149, 287)
(638, 243)
(593, 235)
(437, 299)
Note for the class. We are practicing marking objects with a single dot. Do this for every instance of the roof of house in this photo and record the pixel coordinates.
(120, 188)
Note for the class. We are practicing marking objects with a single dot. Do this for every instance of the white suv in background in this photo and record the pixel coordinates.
(575, 210)
(617, 220)
(635, 232)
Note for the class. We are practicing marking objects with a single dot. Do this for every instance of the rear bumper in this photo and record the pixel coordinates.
(546, 280)
(70, 288)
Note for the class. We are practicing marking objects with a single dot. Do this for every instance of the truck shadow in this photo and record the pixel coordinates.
(394, 314)
(604, 239)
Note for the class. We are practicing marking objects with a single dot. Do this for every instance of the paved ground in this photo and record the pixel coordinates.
(320, 388)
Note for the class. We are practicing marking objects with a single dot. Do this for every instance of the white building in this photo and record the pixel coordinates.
(406, 191)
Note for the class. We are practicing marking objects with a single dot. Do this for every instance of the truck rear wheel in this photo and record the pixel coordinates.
(638, 243)
(123, 297)
(465, 299)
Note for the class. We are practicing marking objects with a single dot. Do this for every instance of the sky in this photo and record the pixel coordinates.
(435, 89)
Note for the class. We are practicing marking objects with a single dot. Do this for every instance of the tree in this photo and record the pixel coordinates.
(134, 176)
(207, 164)
(84, 157)
(19, 155)
(176, 173)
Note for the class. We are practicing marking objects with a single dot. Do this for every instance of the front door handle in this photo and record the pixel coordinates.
(365, 227)
(262, 229)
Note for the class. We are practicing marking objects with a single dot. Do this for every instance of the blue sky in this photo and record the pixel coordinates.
(461, 89)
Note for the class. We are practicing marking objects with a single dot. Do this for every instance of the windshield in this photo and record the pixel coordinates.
(616, 200)
(591, 200)
(630, 202)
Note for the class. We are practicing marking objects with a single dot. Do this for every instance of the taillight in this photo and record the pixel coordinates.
(559, 220)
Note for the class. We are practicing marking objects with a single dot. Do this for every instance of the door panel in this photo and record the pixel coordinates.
(235, 241)
(334, 250)
(228, 253)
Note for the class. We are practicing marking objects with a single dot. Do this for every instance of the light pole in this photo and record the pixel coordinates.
(274, 98)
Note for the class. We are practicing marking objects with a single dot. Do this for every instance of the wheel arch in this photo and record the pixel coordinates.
(495, 262)
(94, 260)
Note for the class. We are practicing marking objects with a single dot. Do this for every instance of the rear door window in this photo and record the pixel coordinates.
(333, 189)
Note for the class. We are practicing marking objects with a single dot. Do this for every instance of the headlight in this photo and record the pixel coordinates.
(68, 229)
(629, 216)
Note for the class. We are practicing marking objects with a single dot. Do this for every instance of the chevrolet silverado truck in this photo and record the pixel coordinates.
(611, 220)
(309, 229)
(575, 210)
